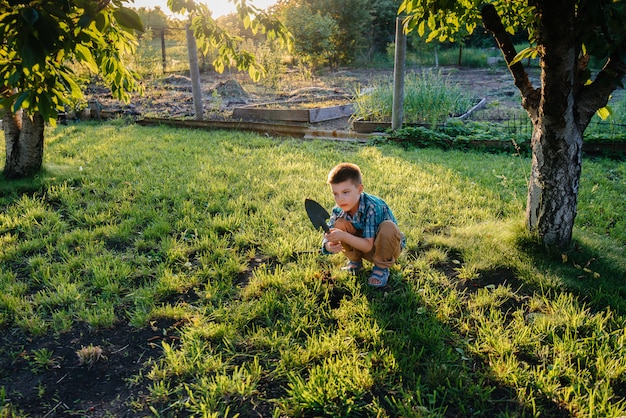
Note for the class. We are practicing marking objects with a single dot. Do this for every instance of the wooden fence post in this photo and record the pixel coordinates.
(194, 72)
(163, 57)
(397, 112)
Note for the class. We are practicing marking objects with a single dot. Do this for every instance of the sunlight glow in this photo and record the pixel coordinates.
(218, 7)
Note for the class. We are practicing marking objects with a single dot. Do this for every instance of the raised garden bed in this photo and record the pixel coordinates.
(305, 112)
(367, 126)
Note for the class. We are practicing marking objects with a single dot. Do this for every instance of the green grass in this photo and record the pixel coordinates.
(126, 220)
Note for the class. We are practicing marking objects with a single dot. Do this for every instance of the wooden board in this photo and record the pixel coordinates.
(312, 115)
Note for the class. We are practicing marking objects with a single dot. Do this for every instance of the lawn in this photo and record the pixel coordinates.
(169, 272)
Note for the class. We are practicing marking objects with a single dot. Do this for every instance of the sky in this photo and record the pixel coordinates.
(218, 7)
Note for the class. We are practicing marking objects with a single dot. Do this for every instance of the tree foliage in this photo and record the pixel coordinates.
(43, 40)
(153, 18)
(210, 35)
(351, 25)
(383, 33)
(313, 34)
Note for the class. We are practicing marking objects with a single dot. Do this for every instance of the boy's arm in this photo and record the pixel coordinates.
(362, 244)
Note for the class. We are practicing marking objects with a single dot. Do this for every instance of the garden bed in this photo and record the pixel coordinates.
(301, 111)
(369, 126)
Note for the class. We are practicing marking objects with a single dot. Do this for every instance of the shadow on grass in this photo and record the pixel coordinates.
(436, 376)
(11, 191)
(590, 270)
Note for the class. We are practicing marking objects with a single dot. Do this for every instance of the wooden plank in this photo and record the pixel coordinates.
(320, 114)
(274, 129)
(291, 115)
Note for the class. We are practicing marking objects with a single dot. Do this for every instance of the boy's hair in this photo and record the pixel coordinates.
(345, 171)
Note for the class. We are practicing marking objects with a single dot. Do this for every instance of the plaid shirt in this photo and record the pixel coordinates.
(371, 213)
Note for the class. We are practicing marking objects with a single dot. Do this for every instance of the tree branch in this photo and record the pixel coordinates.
(596, 95)
(493, 23)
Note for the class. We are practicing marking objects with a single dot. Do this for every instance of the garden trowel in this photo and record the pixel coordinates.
(317, 214)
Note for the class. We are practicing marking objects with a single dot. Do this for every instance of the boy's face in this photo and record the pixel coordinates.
(347, 195)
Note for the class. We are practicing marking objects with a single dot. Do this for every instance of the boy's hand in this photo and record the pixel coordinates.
(333, 247)
(334, 240)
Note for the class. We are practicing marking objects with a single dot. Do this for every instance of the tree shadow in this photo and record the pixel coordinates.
(595, 275)
(436, 375)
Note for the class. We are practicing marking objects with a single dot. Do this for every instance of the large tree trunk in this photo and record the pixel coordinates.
(554, 179)
(24, 136)
(557, 137)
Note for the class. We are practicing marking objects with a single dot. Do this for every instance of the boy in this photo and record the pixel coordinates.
(361, 225)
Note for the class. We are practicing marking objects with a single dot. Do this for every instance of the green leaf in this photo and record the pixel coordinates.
(604, 112)
(71, 85)
(47, 108)
(254, 73)
(84, 56)
(127, 18)
(48, 32)
(15, 77)
(31, 52)
(529, 52)
(17, 105)
(218, 64)
(101, 22)
(421, 28)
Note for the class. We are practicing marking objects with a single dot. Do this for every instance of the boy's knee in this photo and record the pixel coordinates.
(388, 229)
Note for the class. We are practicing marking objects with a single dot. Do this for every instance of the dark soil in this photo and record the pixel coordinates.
(64, 387)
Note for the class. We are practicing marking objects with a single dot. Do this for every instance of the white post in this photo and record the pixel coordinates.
(194, 72)
(398, 76)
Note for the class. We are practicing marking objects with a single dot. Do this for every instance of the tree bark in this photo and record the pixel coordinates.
(557, 139)
(557, 136)
(24, 137)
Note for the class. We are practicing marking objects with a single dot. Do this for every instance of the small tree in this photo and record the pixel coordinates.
(313, 34)
(41, 42)
(564, 34)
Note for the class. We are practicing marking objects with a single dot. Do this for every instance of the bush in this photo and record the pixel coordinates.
(460, 135)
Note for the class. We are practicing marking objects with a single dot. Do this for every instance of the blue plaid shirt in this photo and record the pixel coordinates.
(371, 213)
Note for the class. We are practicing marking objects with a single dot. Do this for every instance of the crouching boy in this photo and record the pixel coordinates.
(362, 226)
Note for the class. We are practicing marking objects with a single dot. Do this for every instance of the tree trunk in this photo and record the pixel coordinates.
(557, 134)
(557, 139)
(554, 180)
(24, 136)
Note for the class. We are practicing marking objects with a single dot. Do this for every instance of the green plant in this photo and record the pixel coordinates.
(429, 98)
(43, 359)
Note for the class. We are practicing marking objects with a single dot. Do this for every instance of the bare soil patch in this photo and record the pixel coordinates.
(64, 387)
(171, 97)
